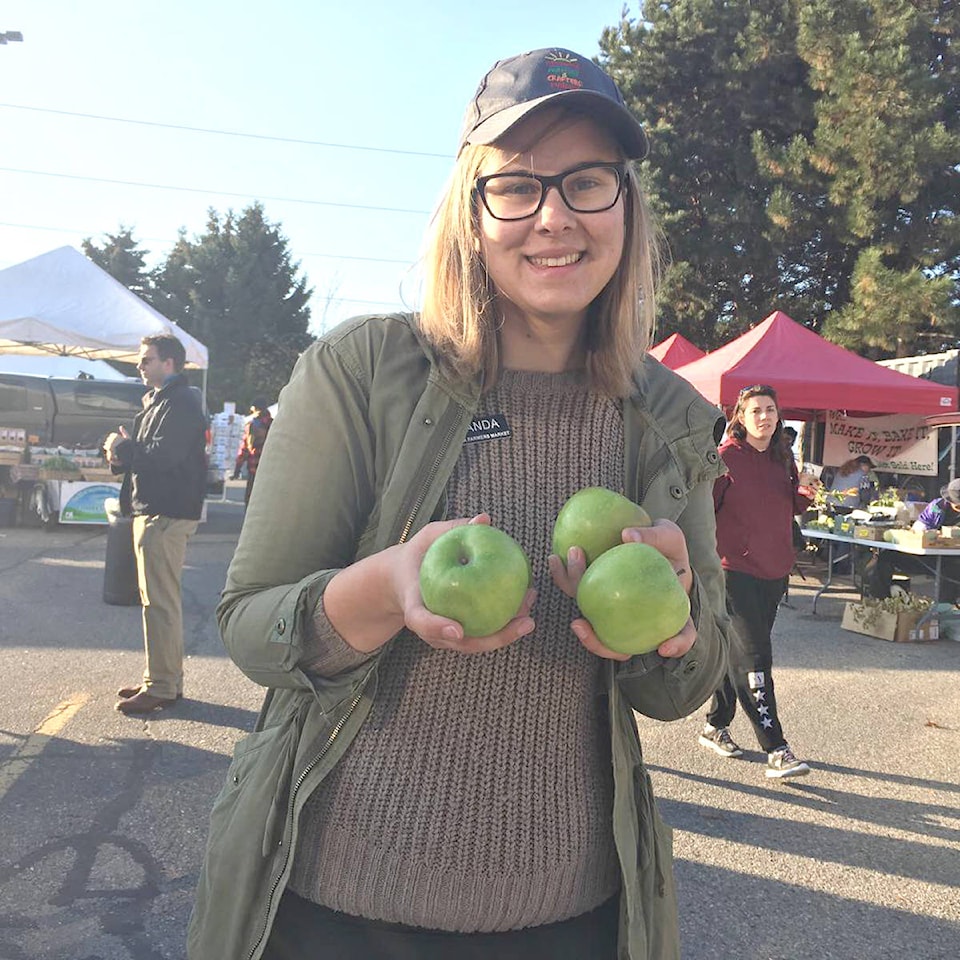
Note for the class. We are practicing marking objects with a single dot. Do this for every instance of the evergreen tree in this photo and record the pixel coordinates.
(236, 290)
(804, 157)
(888, 136)
(124, 260)
(703, 76)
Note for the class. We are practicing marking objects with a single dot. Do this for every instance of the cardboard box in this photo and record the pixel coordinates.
(913, 538)
(896, 627)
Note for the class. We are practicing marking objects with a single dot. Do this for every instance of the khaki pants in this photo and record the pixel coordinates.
(160, 544)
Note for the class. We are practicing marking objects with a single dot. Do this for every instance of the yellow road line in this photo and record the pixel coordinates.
(34, 745)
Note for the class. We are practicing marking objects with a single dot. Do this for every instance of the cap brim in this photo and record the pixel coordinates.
(621, 122)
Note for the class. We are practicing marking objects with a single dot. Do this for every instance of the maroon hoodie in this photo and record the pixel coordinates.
(755, 503)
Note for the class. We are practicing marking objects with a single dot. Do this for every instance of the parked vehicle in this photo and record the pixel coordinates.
(64, 412)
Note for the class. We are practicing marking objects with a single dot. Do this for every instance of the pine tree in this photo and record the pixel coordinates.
(885, 151)
(704, 77)
(236, 289)
(121, 257)
(804, 158)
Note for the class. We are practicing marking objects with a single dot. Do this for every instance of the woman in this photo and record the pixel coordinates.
(755, 502)
(855, 481)
(410, 791)
(251, 446)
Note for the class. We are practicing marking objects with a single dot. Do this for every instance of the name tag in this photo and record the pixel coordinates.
(488, 426)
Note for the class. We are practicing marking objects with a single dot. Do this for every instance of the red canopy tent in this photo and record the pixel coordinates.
(811, 374)
(675, 351)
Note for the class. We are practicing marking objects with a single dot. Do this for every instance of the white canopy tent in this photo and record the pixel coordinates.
(62, 303)
(53, 365)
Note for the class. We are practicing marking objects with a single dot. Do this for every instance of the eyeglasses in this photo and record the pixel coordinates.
(585, 188)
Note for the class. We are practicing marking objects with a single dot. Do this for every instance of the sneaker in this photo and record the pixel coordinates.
(782, 763)
(718, 739)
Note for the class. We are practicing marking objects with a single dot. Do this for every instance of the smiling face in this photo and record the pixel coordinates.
(759, 417)
(549, 267)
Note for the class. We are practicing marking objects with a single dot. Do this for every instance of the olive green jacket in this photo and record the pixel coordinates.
(368, 433)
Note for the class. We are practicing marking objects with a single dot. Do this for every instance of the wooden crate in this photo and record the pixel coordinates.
(46, 474)
(102, 474)
(24, 471)
(866, 531)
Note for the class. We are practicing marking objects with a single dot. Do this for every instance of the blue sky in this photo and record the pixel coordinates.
(390, 77)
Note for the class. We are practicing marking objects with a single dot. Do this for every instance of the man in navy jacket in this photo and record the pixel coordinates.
(164, 481)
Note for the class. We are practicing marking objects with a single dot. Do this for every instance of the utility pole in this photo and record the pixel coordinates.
(10, 36)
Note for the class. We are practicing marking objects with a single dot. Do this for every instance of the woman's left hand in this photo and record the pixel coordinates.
(664, 536)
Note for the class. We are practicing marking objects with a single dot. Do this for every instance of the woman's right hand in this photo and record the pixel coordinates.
(442, 632)
(371, 600)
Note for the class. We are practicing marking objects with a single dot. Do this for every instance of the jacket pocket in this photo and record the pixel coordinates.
(257, 788)
(244, 843)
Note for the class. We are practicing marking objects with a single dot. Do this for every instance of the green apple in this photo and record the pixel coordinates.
(594, 519)
(633, 598)
(477, 575)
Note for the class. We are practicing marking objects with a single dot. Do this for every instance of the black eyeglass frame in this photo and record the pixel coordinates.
(618, 166)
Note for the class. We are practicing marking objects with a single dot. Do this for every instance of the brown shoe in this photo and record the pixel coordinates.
(125, 693)
(142, 702)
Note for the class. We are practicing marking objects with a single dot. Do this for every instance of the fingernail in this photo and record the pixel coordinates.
(579, 631)
(526, 626)
(450, 633)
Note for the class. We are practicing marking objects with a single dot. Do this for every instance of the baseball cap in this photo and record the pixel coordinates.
(515, 87)
(951, 492)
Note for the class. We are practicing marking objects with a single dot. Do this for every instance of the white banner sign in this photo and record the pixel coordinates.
(898, 444)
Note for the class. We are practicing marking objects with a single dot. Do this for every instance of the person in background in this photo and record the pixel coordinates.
(789, 438)
(411, 791)
(755, 503)
(943, 511)
(164, 467)
(251, 445)
(857, 482)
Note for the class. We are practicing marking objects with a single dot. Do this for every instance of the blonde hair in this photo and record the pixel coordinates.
(460, 315)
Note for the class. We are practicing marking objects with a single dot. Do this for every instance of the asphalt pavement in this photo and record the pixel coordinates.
(104, 817)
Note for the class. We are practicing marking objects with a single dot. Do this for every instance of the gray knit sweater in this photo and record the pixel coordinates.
(478, 795)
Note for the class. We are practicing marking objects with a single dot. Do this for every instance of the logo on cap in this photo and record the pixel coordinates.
(563, 72)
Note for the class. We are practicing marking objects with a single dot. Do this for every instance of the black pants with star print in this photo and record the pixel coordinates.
(753, 604)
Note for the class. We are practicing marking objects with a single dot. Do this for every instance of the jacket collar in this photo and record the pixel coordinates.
(151, 396)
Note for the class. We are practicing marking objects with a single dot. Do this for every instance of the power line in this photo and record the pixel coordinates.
(227, 133)
(218, 193)
(304, 253)
(326, 299)
(376, 303)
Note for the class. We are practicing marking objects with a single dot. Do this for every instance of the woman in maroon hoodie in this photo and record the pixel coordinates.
(755, 503)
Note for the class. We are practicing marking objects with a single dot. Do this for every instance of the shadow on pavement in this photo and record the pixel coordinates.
(116, 852)
(932, 863)
(724, 914)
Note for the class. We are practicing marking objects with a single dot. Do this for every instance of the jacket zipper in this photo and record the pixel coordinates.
(425, 486)
(404, 533)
